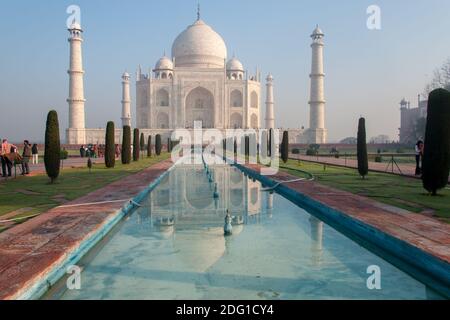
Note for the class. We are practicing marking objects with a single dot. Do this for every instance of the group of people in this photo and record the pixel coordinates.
(97, 151)
(10, 156)
(419, 157)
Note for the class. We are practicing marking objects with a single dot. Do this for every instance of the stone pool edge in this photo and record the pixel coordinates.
(72, 256)
(404, 251)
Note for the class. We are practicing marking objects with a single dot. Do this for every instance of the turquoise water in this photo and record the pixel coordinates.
(174, 247)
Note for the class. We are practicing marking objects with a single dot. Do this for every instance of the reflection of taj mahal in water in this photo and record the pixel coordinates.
(182, 209)
(178, 194)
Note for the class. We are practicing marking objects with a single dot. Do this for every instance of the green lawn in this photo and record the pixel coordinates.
(402, 192)
(33, 195)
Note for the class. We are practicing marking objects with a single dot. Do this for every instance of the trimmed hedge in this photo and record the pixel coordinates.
(136, 145)
(110, 145)
(436, 158)
(52, 155)
(126, 145)
(363, 162)
(158, 145)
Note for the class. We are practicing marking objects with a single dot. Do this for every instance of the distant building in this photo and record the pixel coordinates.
(409, 118)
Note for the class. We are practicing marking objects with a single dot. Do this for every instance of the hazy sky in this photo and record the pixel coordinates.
(367, 72)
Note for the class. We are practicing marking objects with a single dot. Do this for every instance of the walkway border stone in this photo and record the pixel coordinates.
(36, 254)
(414, 242)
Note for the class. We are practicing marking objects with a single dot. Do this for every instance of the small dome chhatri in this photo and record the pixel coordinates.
(317, 33)
(235, 65)
(164, 64)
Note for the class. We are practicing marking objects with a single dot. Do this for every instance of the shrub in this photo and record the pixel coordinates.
(436, 159)
(52, 155)
(313, 150)
(285, 147)
(334, 151)
(379, 159)
(136, 142)
(363, 162)
(64, 154)
(271, 144)
(110, 146)
(158, 145)
(126, 145)
(295, 151)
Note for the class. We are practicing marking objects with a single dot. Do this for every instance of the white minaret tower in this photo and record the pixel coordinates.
(76, 133)
(126, 100)
(270, 115)
(317, 131)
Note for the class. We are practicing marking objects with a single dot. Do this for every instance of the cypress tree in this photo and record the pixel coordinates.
(285, 147)
(142, 142)
(136, 142)
(169, 145)
(270, 146)
(126, 145)
(52, 155)
(158, 145)
(110, 146)
(436, 158)
(149, 146)
(363, 162)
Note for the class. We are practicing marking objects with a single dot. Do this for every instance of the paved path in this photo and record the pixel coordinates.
(30, 250)
(406, 169)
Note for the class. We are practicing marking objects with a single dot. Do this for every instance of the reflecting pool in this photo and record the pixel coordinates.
(174, 247)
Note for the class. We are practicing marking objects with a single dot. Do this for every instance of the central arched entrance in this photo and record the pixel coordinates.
(200, 107)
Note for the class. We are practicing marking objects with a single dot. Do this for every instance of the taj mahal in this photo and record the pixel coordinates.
(198, 83)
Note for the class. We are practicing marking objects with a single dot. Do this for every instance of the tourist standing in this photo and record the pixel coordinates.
(6, 162)
(35, 153)
(82, 151)
(419, 155)
(26, 154)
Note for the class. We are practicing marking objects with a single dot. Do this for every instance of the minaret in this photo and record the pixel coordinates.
(76, 132)
(270, 115)
(126, 100)
(317, 130)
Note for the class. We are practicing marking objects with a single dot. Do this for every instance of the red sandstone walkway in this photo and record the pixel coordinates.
(427, 234)
(28, 251)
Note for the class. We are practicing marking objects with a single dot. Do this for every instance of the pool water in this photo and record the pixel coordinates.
(174, 247)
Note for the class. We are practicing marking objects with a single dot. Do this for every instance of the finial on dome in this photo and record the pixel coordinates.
(198, 12)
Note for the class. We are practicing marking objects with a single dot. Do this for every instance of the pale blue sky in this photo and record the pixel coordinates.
(368, 72)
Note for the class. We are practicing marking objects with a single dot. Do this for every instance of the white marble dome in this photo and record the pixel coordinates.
(199, 46)
(235, 65)
(164, 64)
